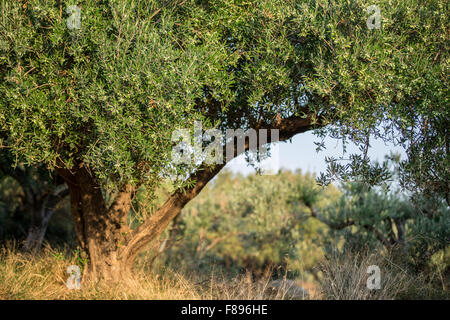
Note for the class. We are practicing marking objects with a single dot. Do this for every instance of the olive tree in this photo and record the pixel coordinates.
(41, 193)
(95, 89)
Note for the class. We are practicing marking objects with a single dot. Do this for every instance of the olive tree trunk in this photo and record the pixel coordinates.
(100, 231)
(103, 233)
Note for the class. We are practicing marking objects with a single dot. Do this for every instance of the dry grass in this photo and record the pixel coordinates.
(242, 287)
(43, 276)
(345, 278)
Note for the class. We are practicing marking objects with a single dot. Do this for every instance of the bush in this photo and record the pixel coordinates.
(249, 224)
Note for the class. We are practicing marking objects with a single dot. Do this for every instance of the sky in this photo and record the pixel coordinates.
(302, 154)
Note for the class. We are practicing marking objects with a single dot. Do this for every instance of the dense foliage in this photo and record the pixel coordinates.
(248, 223)
(98, 102)
(285, 225)
(110, 94)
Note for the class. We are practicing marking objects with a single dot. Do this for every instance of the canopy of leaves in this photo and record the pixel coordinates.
(110, 94)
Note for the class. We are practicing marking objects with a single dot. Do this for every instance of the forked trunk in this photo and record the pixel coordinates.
(103, 232)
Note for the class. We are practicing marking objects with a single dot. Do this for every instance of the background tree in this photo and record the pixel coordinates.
(414, 230)
(99, 104)
(33, 197)
(249, 224)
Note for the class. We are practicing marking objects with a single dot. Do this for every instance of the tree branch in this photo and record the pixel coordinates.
(155, 224)
(348, 223)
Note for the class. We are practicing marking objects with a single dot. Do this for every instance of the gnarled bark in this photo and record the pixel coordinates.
(99, 229)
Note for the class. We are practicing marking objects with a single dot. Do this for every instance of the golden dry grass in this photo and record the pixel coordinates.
(23, 276)
(43, 276)
(345, 278)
